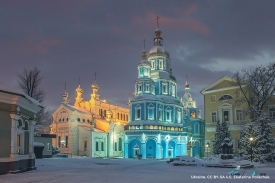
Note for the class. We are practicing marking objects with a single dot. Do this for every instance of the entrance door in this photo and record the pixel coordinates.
(170, 153)
(136, 152)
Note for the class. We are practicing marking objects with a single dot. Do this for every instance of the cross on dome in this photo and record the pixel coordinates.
(158, 21)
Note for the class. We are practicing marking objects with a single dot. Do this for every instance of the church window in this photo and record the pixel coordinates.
(63, 119)
(96, 146)
(164, 88)
(126, 117)
(161, 64)
(83, 120)
(153, 64)
(48, 146)
(78, 119)
(102, 146)
(193, 114)
(147, 87)
(104, 113)
(121, 116)
(67, 119)
(117, 115)
(151, 112)
(168, 114)
(160, 114)
(214, 117)
(120, 144)
(115, 146)
(138, 112)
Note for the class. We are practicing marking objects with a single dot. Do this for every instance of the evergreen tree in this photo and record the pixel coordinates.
(225, 133)
(246, 145)
(217, 142)
(266, 143)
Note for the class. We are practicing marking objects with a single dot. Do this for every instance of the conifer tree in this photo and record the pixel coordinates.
(217, 142)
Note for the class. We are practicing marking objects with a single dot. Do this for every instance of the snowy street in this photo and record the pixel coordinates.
(96, 170)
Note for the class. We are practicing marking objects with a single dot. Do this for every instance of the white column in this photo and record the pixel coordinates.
(31, 137)
(14, 118)
(126, 150)
(143, 150)
(158, 151)
(220, 115)
(166, 150)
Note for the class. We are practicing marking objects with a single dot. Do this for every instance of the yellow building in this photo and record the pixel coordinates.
(93, 127)
(220, 103)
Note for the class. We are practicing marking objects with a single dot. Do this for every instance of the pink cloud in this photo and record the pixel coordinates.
(185, 21)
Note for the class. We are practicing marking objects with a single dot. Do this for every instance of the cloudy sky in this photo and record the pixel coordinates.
(69, 39)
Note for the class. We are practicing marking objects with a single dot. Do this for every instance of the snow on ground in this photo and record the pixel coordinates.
(97, 170)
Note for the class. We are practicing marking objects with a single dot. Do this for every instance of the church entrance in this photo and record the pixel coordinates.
(136, 152)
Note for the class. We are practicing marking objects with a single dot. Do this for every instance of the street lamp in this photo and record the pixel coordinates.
(207, 146)
(251, 139)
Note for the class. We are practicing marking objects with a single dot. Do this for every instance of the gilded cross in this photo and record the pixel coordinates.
(158, 20)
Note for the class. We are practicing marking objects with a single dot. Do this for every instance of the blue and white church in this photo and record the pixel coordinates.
(160, 125)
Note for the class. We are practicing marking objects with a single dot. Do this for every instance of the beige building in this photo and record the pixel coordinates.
(17, 119)
(93, 128)
(220, 103)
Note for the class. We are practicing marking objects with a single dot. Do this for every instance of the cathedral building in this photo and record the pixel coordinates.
(161, 125)
(93, 128)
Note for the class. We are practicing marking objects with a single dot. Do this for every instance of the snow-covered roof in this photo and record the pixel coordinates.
(78, 109)
(158, 50)
(19, 93)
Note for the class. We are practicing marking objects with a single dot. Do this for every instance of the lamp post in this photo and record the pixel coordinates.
(251, 139)
(207, 145)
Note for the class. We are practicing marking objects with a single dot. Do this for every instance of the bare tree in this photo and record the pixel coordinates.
(261, 81)
(29, 81)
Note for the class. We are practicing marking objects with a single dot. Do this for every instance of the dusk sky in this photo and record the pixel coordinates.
(68, 39)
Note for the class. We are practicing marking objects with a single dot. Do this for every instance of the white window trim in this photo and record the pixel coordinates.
(212, 117)
(161, 61)
(170, 114)
(228, 114)
(147, 85)
(237, 114)
(151, 107)
(179, 116)
(160, 118)
(166, 87)
(138, 107)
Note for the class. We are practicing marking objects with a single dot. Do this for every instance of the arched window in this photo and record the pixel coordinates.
(225, 97)
(85, 145)
(151, 112)
(115, 146)
(137, 112)
(78, 119)
(168, 114)
(120, 144)
(197, 128)
(96, 146)
(104, 113)
(102, 146)
(121, 116)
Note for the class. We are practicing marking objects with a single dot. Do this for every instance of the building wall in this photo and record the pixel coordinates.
(5, 134)
(47, 151)
(218, 106)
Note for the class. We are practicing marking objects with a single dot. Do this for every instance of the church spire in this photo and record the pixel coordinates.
(158, 40)
(144, 53)
(65, 96)
(186, 84)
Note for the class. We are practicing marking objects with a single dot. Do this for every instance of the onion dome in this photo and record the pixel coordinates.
(158, 45)
(79, 90)
(186, 85)
(144, 60)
